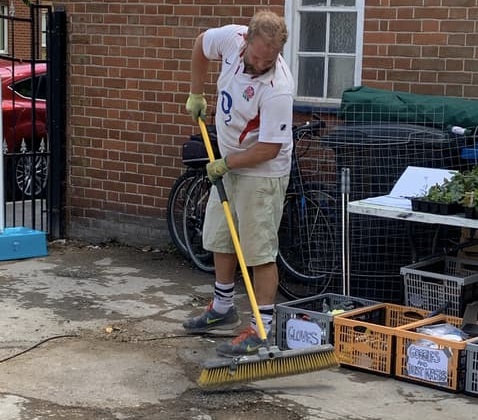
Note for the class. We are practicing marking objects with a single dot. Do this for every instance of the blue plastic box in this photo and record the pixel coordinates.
(21, 242)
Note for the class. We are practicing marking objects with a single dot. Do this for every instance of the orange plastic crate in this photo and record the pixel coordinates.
(443, 366)
(364, 338)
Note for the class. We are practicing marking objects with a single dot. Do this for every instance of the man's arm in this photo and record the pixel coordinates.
(196, 104)
(199, 67)
(259, 153)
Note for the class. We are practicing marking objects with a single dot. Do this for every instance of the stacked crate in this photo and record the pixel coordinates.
(365, 338)
(309, 321)
(441, 282)
(436, 361)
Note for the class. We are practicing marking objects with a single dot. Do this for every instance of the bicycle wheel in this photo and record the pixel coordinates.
(175, 209)
(193, 220)
(308, 258)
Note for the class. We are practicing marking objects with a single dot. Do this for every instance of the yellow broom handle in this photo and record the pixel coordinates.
(235, 238)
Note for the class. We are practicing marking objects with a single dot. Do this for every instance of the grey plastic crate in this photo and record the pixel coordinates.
(471, 383)
(315, 310)
(431, 283)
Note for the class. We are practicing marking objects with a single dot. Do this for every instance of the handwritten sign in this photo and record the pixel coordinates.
(301, 334)
(427, 363)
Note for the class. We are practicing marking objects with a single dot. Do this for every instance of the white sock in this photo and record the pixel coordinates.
(223, 297)
(267, 315)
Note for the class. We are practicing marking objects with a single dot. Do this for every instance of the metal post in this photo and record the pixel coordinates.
(345, 188)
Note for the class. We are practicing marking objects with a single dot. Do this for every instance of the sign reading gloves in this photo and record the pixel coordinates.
(301, 334)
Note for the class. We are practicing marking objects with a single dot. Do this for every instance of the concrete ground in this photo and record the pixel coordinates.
(94, 333)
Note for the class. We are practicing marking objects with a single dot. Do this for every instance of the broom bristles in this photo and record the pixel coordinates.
(267, 365)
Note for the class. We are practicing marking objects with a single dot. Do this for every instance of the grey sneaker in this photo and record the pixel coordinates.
(212, 322)
(247, 343)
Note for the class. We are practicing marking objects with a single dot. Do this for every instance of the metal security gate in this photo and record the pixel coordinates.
(32, 72)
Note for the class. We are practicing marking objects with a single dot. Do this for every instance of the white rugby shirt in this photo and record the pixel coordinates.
(250, 109)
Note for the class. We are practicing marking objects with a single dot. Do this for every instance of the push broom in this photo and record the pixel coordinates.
(270, 361)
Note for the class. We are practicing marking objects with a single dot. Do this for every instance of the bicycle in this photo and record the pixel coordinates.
(175, 208)
(193, 219)
(187, 202)
(308, 257)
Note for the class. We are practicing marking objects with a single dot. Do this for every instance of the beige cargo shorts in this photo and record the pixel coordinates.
(256, 205)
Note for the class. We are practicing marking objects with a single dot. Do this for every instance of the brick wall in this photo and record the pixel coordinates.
(128, 79)
(422, 46)
(128, 82)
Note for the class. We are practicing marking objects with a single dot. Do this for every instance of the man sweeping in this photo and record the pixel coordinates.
(254, 130)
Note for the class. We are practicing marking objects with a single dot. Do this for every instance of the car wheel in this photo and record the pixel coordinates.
(31, 176)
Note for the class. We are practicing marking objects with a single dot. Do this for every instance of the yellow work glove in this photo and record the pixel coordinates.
(215, 170)
(196, 105)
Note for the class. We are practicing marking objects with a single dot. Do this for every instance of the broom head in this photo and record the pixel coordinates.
(268, 363)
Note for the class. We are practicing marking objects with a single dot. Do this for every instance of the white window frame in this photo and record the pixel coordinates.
(292, 11)
(43, 29)
(4, 33)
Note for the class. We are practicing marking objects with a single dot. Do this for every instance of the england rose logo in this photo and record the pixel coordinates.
(248, 93)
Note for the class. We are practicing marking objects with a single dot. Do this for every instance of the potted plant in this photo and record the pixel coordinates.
(433, 197)
(445, 198)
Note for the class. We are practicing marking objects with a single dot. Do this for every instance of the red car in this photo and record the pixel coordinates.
(17, 107)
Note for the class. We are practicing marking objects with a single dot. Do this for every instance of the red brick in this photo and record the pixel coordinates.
(459, 3)
(454, 52)
(404, 38)
(403, 3)
(404, 51)
(401, 75)
(430, 39)
(430, 25)
(454, 77)
(380, 13)
(436, 13)
(457, 39)
(379, 38)
(454, 65)
(454, 90)
(427, 77)
(427, 89)
(428, 64)
(457, 26)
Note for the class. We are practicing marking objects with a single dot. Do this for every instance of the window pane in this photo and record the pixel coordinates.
(43, 29)
(3, 25)
(2, 31)
(341, 71)
(343, 31)
(311, 76)
(313, 27)
(343, 3)
(314, 2)
(41, 88)
(24, 88)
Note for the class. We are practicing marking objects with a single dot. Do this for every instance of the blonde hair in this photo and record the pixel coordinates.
(270, 27)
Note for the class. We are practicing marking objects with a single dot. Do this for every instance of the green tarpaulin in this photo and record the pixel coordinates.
(363, 104)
